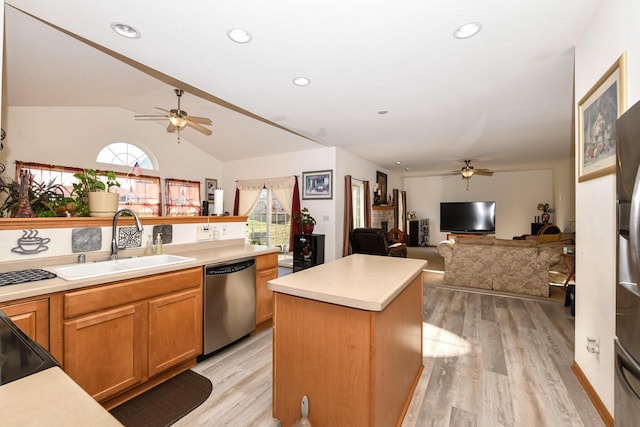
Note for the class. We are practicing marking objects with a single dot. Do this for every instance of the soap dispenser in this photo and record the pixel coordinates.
(148, 250)
(158, 244)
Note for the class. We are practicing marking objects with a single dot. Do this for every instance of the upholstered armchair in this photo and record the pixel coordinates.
(373, 241)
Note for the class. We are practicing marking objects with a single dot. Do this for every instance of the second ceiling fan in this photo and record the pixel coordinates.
(179, 119)
(467, 171)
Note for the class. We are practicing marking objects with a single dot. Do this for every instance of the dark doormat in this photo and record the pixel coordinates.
(166, 403)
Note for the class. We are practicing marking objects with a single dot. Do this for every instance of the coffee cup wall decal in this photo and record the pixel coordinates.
(30, 243)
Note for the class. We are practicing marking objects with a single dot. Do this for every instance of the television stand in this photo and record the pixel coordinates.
(465, 235)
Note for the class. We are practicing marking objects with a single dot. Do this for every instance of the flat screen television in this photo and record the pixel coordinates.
(468, 217)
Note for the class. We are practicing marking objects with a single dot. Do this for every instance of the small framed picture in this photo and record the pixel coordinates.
(211, 185)
(317, 184)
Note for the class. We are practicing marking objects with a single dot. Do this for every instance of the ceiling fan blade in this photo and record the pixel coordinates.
(198, 127)
(202, 120)
(149, 117)
(483, 172)
(171, 128)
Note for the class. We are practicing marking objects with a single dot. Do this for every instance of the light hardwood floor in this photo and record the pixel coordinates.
(489, 361)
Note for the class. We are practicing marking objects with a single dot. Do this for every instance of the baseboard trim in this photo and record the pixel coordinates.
(597, 402)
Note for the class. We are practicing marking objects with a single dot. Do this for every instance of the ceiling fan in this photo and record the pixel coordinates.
(179, 119)
(467, 171)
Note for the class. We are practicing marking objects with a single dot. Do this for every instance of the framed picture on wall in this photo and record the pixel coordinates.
(598, 111)
(381, 181)
(317, 184)
(211, 185)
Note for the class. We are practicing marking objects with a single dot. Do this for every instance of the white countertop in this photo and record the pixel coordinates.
(50, 398)
(366, 282)
(203, 255)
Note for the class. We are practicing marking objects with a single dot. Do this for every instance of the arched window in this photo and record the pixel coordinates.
(138, 192)
(125, 154)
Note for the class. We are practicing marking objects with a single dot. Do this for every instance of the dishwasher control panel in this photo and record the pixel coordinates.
(213, 270)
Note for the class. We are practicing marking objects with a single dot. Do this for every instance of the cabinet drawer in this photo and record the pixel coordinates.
(266, 261)
(127, 291)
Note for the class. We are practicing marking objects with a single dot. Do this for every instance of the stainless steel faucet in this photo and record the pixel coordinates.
(114, 243)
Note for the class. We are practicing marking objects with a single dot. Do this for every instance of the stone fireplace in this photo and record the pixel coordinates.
(382, 217)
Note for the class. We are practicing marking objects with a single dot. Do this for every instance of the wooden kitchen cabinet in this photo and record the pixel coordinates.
(122, 338)
(32, 317)
(266, 269)
(104, 351)
(175, 329)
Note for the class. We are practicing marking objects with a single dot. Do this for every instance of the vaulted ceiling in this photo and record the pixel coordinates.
(389, 82)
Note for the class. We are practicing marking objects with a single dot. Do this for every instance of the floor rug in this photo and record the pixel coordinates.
(166, 403)
(435, 278)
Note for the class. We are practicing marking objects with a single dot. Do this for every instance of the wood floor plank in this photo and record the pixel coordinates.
(488, 307)
(527, 407)
(497, 409)
(492, 349)
(462, 418)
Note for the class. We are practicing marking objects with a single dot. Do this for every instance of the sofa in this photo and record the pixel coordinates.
(517, 266)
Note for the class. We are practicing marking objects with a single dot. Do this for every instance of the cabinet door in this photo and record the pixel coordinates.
(104, 352)
(264, 295)
(175, 329)
(32, 318)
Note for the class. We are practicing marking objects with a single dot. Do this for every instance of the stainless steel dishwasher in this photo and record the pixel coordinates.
(229, 302)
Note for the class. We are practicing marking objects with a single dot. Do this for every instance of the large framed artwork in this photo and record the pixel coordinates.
(598, 111)
(317, 184)
(211, 185)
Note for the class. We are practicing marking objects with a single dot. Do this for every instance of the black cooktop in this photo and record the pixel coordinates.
(19, 355)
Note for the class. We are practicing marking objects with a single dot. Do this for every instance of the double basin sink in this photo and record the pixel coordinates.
(124, 265)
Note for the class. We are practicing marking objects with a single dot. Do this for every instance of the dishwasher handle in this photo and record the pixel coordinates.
(220, 269)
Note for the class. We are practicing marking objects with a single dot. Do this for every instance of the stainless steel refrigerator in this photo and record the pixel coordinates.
(627, 340)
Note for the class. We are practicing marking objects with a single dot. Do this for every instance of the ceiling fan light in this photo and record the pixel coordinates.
(467, 173)
(178, 122)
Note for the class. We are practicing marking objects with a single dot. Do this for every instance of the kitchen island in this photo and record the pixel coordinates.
(348, 335)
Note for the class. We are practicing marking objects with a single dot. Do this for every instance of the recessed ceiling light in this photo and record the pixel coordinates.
(125, 30)
(239, 35)
(398, 163)
(407, 169)
(467, 30)
(383, 112)
(301, 81)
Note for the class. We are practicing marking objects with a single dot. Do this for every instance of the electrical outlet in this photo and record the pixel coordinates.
(224, 229)
(204, 232)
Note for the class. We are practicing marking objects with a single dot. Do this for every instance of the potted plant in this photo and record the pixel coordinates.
(306, 221)
(546, 211)
(29, 198)
(94, 193)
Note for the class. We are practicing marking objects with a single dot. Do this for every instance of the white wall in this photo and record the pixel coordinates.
(328, 213)
(516, 194)
(564, 195)
(612, 30)
(70, 136)
(324, 211)
(348, 164)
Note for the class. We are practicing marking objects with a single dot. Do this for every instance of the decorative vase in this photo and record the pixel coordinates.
(545, 217)
(103, 204)
(307, 228)
(24, 206)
